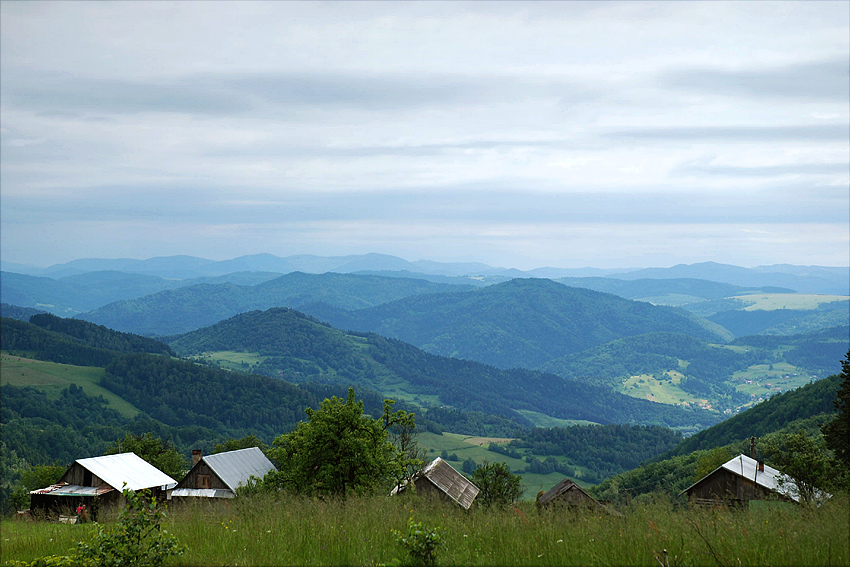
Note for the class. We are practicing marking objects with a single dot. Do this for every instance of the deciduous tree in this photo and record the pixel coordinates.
(499, 487)
(336, 452)
(158, 452)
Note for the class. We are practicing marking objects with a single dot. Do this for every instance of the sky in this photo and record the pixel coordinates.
(519, 134)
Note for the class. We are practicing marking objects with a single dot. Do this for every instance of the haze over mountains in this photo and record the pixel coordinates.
(804, 279)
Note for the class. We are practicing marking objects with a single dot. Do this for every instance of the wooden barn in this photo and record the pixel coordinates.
(218, 476)
(438, 478)
(97, 483)
(570, 495)
(739, 480)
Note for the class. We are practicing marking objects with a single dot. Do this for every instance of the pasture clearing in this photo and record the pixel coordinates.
(53, 377)
(797, 301)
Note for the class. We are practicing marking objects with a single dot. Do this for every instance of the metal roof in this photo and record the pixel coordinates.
(770, 478)
(234, 468)
(127, 468)
(455, 485)
(64, 489)
(202, 492)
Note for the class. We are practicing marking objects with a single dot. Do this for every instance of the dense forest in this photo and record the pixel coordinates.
(518, 323)
(603, 450)
(313, 351)
(181, 310)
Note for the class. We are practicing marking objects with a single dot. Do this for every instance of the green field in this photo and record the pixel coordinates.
(543, 420)
(773, 301)
(292, 530)
(467, 447)
(665, 390)
(764, 380)
(232, 360)
(52, 378)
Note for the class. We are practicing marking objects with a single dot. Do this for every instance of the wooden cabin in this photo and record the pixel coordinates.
(438, 478)
(97, 483)
(739, 480)
(218, 476)
(568, 494)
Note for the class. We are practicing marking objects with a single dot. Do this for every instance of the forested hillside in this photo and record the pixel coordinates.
(518, 323)
(689, 290)
(19, 313)
(802, 411)
(770, 415)
(42, 344)
(295, 347)
(603, 450)
(187, 308)
(782, 321)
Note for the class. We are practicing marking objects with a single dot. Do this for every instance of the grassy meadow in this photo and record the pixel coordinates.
(773, 301)
(292, 530)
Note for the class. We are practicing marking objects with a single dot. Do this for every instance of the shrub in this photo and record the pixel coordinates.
(138, 538)
(420, 543)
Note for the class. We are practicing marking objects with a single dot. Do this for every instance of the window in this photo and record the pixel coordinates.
(205, 481)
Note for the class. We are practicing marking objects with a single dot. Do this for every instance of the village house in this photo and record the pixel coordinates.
(439, 478)
(739, 480)
(218, 476)
(97, 483)
(569, 494)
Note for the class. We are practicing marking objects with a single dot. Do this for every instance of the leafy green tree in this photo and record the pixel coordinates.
(837, 432)
(499, 487)
(804, 458)
(158, 452)
(33, 478)
(338, 451)
(710, 460)
(401, 432)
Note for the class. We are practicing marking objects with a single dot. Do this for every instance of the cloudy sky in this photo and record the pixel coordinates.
(518, 134)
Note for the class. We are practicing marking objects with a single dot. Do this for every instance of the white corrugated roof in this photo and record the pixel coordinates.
(234, 468)
(127, 468)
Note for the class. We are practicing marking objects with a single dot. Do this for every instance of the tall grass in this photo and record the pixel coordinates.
(292, 530)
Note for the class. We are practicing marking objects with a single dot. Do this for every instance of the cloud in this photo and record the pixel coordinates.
(225, 93)
(701, 167)
(803, 132)
(825, 79)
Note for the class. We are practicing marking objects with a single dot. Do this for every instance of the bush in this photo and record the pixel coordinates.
(421, 542)
(137, 539)
(498, 487)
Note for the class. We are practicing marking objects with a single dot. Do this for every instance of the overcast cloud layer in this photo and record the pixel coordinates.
(515, 133)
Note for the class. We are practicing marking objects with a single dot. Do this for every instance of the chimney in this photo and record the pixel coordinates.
(196, 456)
(761, 465)
(752, 447)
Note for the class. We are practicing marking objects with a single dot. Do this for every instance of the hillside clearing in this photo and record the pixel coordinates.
(53, 377)
(774, 301)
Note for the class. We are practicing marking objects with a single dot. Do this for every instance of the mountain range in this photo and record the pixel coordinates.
(804, 279)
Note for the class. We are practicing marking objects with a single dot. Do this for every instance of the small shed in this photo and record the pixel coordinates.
(97, 483)
(439, 478)
(569, 494)
(739, 480)
(219, 475)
